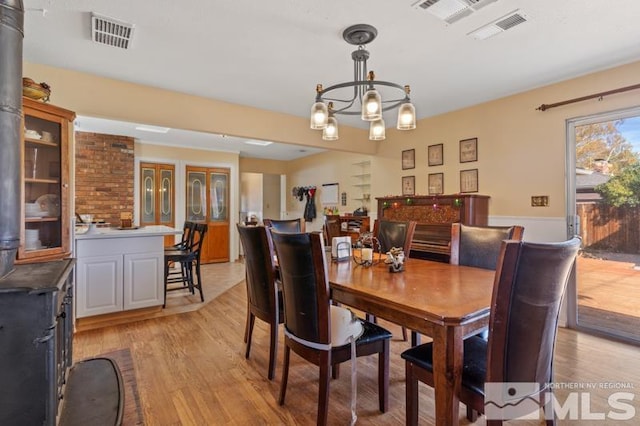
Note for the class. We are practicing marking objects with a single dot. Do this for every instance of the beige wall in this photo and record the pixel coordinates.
(95, 96)
(521, 151)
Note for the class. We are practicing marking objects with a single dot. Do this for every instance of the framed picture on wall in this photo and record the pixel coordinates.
(469, 180)
(408, 159)
(408, 185)
(436, 183)
(469, 150)
(435, 155)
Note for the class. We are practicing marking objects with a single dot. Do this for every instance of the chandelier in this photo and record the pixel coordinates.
(362, 96)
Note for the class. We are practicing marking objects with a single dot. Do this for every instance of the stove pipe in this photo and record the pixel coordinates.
(11, 36)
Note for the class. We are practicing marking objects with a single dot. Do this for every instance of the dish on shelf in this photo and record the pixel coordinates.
(127, 228)
(49, 203)
(36, 214)
(32, 134)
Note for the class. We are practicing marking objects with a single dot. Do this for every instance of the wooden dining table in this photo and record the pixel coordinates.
(445, 302)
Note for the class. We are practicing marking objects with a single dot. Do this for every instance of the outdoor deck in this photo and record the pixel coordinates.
(609, 292)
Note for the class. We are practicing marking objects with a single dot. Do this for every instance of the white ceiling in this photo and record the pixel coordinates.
(271, 55)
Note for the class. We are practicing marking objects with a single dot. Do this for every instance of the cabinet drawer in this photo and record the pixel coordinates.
(104, 246)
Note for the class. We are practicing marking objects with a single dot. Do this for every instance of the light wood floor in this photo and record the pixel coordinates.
(191, 369)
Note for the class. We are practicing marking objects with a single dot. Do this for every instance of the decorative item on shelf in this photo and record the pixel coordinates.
(37, 91)
(395, 259)
(366, 250)
(408, 201)
(126, 220)
(457, 202)
(361, 95)
(386, 205)
(49, 203)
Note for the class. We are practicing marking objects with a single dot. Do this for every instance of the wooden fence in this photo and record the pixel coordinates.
(604, 227)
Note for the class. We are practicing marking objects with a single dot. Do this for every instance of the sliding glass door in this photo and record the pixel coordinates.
(604, 201)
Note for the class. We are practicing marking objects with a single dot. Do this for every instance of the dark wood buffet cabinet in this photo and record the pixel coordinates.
(435, 214)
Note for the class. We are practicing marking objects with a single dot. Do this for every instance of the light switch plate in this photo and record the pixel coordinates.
(540, 201)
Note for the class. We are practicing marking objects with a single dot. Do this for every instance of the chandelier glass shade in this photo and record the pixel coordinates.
(361, 96)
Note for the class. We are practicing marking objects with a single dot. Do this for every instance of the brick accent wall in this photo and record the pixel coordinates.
(104, 175)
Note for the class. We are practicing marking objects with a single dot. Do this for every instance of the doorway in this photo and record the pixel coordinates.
(604, 201)
(261, 196)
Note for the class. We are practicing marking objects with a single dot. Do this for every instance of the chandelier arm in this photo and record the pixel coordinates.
(321, 96)
(360, 83)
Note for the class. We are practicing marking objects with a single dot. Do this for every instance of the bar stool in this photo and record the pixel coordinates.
(189, 260)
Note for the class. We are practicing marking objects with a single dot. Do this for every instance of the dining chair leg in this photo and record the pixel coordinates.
(273, 349)
(251, 319)
(199, 276)
(323, 391)
(383, 377)
(166, 278)
(411, 385)
(285, 374)
(472, 415)
(246, 328)
(415, 338)
(335, 371)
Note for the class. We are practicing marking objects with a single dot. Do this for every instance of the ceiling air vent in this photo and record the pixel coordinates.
(110, 31)
(451, 11)
(502, 24)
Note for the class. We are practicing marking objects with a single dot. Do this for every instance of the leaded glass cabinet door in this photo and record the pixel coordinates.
(157, 196)
(196, 194)
(219, 189)
(148, 181)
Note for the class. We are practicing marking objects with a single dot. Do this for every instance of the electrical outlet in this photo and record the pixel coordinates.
(539, 201)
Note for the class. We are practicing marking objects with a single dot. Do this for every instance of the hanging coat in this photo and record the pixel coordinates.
(310, 207)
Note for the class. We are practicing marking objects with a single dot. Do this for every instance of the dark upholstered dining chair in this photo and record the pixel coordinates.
(188, 258)
(310, 320)
(331, 228)
(530, 282)
(479, 246)
(395, 234)
(264, 300)
(285, 225)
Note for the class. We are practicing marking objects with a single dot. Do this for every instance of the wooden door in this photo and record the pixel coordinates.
(157, 196)
(208, 201)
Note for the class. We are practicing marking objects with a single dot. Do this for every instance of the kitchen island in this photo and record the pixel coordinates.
(119, 269)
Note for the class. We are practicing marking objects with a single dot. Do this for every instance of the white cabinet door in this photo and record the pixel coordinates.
(98, 285)
(143, 280)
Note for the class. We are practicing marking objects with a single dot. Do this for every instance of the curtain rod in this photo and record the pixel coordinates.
(545, 107)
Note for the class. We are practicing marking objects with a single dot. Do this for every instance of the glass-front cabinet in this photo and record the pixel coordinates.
(45, 230)
(157, 194)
